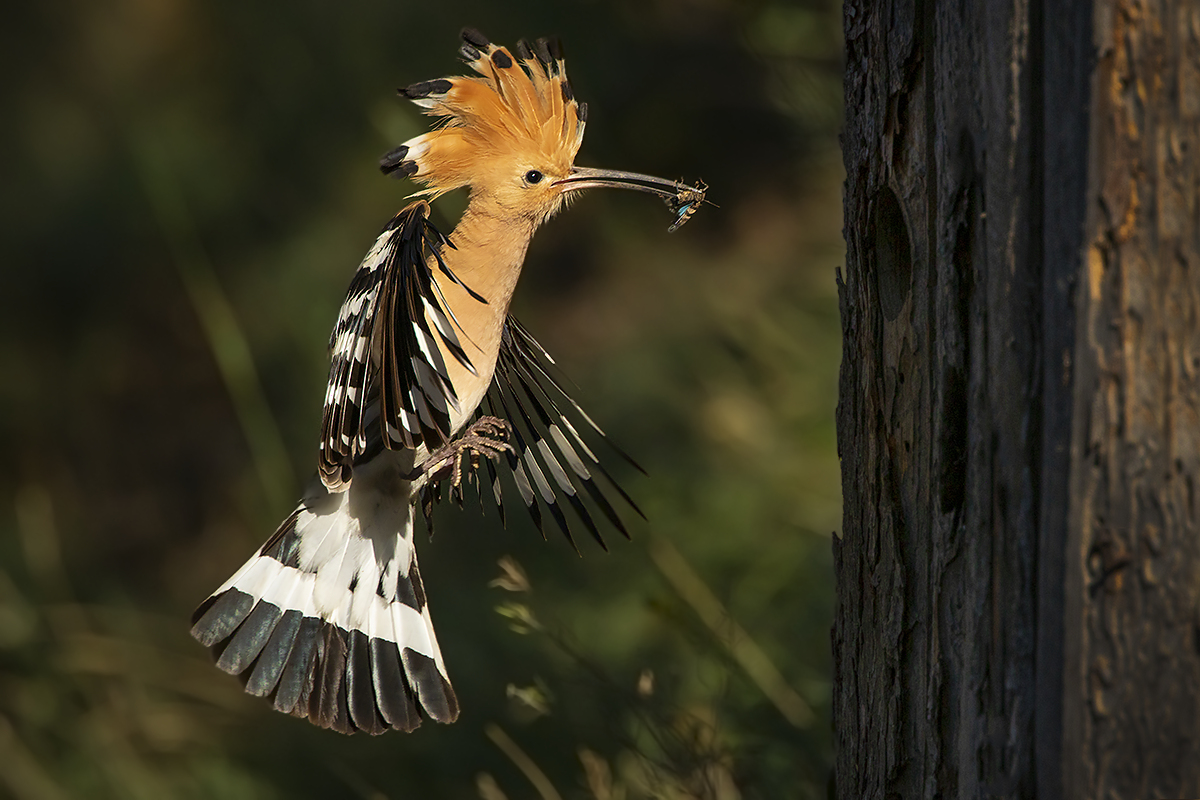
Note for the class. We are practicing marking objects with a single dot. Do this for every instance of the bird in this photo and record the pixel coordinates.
(430, 377)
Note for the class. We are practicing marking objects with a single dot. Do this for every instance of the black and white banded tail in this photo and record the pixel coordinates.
(329, 620)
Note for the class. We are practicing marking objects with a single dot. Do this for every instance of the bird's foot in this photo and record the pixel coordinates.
(487, 437)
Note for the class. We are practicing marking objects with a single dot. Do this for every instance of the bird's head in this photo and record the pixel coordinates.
(511, 134)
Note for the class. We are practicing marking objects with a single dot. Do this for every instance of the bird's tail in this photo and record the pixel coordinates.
(329, 619)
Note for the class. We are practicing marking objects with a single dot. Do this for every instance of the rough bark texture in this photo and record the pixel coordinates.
(1019, 422)
(1134, 535)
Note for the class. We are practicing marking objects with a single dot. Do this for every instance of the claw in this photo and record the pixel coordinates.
(487, 437)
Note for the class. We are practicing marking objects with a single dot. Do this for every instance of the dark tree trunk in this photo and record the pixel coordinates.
(1019, 420)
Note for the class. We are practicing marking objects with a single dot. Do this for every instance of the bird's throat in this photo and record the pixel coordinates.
(488, 253)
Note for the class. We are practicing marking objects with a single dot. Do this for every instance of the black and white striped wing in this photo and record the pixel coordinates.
(385, 344)
(553, 465)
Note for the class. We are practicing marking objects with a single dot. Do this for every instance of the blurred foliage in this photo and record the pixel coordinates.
(188, 188)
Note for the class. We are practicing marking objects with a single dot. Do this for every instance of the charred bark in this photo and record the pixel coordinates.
(1019, 419)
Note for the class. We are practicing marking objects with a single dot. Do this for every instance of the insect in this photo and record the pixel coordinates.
(685, 202)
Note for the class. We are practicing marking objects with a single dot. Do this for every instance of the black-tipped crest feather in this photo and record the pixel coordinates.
(473, 37)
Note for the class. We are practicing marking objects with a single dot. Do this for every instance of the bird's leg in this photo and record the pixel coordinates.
(488, 436)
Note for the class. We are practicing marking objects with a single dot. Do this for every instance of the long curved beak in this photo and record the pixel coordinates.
(682, 200)
(590, 178)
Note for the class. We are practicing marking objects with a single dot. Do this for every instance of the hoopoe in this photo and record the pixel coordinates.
(329, 619)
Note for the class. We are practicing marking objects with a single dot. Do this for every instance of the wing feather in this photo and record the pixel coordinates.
(388, 348)
(552, 464)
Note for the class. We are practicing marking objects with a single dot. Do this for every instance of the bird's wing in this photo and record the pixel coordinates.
(552, 463)
(385, 345)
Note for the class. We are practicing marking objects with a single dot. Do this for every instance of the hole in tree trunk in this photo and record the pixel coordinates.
(893, 253)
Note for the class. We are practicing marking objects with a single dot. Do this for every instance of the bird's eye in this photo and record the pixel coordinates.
(533, 176)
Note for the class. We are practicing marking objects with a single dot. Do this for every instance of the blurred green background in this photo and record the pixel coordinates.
(187, 188)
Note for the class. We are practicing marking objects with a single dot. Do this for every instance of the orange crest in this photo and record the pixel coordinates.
(522, 109)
